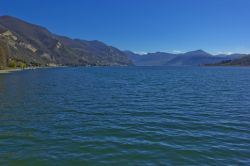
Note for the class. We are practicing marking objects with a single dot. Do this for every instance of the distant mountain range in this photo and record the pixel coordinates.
(193, 58)
(31, 44)
(26, 44)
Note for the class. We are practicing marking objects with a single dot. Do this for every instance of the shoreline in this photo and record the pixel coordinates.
(7, 71)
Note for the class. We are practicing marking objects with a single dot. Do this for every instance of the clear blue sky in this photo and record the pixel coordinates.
(144, 25)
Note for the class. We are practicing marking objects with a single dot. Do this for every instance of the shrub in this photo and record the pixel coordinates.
(12, 64)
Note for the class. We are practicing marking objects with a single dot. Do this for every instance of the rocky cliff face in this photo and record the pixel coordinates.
(34, 44)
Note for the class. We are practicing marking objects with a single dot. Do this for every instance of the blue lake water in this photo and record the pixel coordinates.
(125, 116)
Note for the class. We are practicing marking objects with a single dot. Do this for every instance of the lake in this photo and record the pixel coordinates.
(125, 116)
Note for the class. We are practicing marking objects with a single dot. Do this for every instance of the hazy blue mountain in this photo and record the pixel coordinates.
(150, 59)
(133, 56)
(232, 56)
(192, 58)
(195, 58)
(34, 44)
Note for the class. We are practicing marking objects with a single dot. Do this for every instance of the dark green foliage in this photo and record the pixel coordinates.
(12, 64)
(17, 64)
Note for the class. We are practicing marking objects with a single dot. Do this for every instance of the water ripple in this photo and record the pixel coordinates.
(125, 116)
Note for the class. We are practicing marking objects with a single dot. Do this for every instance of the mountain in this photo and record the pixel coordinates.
(232, 56)
(95, 52)
(150, 59)
(195, 58)
(35, 45)
(192, 58)
(243, 61)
